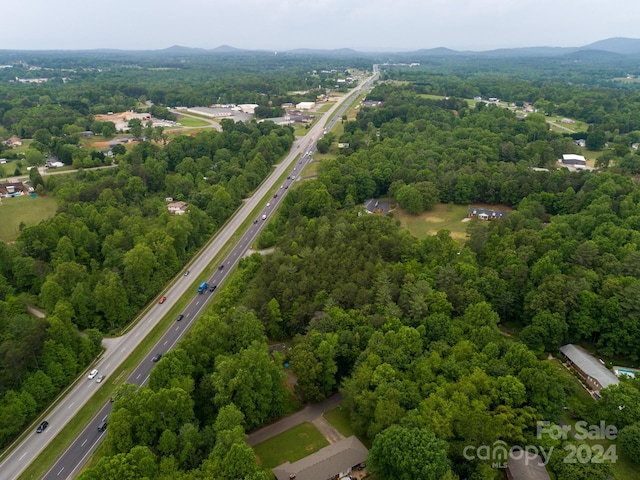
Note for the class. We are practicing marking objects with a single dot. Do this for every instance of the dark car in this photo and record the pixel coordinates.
(157, 357)
(212, 288)
(102, 427)
(42, 426)
(275, 195)
(180, 317)
(220, 267)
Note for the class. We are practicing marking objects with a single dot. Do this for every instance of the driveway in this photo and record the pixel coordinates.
(310, 413)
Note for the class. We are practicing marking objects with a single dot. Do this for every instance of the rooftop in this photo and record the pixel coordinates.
(326, 462)
(589, 365)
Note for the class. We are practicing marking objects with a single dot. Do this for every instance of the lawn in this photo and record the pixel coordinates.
(291, 445)
(26, 210)
(445, 216)
(310, 169)
(339, 418)
(193, 122)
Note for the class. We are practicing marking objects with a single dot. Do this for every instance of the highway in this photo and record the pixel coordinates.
(75, 456)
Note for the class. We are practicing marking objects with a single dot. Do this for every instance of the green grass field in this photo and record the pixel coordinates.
(291, 445)
(26, 210)
(444, 216)
(193, 122)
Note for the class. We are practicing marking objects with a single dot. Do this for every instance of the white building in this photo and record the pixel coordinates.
(305, 105)
(573, 159)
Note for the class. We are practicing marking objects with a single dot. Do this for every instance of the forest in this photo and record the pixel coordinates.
(415, 333)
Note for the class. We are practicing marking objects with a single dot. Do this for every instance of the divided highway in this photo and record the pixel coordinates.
(75, 456)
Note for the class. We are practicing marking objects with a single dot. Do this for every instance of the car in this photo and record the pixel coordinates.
(281, 186)
(162, 300)
(156, 357)
(212, 288)
(100, 378)
(255, 221)
(42, 426)
(289, 177)
(186, 273)
(180, 317)
(103, 426)
(221, 266)
(264, 217)
(286, 186)
(275, 196)
(93, 373)
(268, 204)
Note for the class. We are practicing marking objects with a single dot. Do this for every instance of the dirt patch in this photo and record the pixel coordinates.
(100, 144)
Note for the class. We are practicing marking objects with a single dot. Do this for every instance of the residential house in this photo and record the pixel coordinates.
(588, 367)
(525, 465)
(485, 213)
(335, 461)
(581, 142)
(177, 208)
(13, 141)
(15, 189)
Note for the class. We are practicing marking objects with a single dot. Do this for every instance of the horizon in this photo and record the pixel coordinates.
(293, 49)
(373, 25)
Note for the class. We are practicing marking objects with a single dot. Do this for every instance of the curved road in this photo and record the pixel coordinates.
(68, 464)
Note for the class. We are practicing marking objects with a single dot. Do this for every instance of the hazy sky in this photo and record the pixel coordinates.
(285, 24)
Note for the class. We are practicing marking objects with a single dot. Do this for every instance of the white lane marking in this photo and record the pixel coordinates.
(60, 472)
(22, 456)
(71, 405)
(138, 376)
(166, 341)
(85, 441)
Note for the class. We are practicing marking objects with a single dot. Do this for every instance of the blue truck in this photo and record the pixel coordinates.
(203, 287)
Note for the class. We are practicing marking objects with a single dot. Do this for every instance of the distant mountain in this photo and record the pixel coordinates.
(179, 49)
(226, 49)
(313, 51)
(623, 46)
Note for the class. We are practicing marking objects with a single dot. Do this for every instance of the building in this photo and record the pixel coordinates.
(334, 461)
(581, 142)
(526, 466)
(177, 208)
(589, 368)
(574, 160)
(13, 141)
(485, 213)
(15, 189)
(305, 105)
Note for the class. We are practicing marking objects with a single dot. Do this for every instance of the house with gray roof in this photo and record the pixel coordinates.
(334, 461)
(590, 369)
(525, 465)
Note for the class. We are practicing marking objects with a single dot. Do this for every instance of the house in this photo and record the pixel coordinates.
(13, 141)
(305, 105)
(177, 208)
(53, 163)
(15, 189)
(334, 461)
(525, 465)
(574, 160)
(591, 370)
(371, 205)
(581, 142)
(635, 146)
(485, 213)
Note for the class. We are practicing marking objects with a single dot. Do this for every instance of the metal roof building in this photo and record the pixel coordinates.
(335, 460)
(596, 374)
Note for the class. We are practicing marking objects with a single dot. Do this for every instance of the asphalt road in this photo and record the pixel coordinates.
(69, 463)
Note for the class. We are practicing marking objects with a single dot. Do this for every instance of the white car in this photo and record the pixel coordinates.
(93, 373)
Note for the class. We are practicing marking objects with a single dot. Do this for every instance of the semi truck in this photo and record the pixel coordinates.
(203, 287)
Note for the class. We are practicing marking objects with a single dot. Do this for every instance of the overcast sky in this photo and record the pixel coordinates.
(366, 25)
